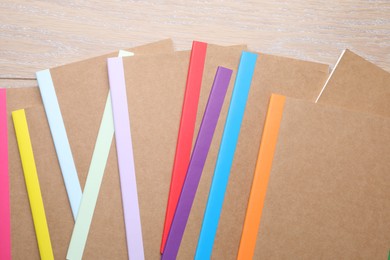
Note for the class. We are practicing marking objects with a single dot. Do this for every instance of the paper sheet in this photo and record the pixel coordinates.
(357, 84)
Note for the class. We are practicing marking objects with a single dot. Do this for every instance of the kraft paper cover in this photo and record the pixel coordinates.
(329, 187)
(358, 84)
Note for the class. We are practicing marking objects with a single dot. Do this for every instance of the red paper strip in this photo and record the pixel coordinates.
(186, 132)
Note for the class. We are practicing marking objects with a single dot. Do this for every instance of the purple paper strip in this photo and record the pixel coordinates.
(198, 159)
(125, 158)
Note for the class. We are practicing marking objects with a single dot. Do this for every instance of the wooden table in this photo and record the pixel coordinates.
(36, 35)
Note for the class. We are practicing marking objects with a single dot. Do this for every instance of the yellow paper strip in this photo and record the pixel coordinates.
(32, 184)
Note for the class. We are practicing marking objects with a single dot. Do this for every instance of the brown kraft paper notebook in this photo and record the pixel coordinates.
(329, 184)
(272, 74)
(357, 84)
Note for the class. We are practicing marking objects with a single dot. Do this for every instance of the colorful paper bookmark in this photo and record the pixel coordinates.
(60, 139)
(226, 154)
(198, 159)
(261, 177)
(32, 184)
(125, 158)
(5, 214)
(186, 132)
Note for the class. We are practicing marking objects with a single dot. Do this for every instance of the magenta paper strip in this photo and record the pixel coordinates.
(5, 224)
(125, 158)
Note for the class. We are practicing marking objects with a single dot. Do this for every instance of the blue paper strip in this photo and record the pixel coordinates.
(226, 155)
(60, 138)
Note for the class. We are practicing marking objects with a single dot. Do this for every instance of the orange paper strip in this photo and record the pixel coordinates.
(261, 177)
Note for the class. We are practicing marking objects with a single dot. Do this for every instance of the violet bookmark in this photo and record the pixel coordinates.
(197, 162)
(126, 166)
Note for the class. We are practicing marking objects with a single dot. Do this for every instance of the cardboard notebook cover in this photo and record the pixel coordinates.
(23, 240)
(272, 74)
(329, 184)
(155, 90)
(82, 90)
(357, 84)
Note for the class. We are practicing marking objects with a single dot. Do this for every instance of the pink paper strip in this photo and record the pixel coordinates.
(5, 222)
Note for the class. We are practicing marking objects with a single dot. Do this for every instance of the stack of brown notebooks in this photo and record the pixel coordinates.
(217, 152)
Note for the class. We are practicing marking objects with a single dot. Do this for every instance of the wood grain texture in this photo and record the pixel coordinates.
(36, 35)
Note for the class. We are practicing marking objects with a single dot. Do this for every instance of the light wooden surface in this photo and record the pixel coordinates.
(36, 35)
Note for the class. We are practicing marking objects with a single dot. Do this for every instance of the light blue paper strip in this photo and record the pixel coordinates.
(225, 156)
(60, 139)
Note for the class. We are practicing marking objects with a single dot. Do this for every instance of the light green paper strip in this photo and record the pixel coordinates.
(123, 53)
(94, 181)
